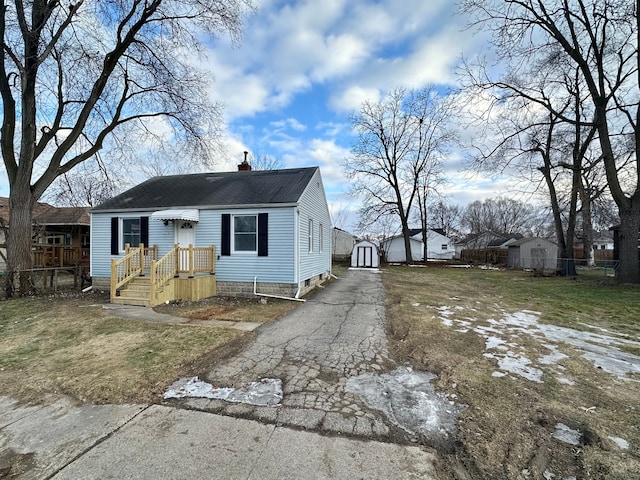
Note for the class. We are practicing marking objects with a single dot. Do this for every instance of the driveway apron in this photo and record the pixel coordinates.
(337, 334)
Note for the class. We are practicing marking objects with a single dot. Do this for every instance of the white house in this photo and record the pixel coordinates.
(439, 246)
(271, 230)
(342, 244)
(394, 251)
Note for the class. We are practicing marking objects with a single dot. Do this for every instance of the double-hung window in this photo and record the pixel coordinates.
(130, 232)
(245, 233)
(310, 235)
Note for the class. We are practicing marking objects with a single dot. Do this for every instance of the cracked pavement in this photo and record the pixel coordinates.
(337, 334)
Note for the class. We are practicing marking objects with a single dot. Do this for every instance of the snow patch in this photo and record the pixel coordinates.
(601, 349)
(266, 392)
(566, 434)
(409, 400)
(620, 442)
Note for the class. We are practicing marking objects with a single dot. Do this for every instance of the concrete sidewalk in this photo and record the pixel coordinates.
(67, 441)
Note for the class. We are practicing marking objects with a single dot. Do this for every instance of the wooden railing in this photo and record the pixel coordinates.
(189, 260)
(161, 272)
(149, 254)
(134, 263)
(138, 260)
(192, 260)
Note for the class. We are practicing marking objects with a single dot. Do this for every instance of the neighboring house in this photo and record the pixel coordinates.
(394, 251)
(342, 244)
(365, 254)
(439, 246)
(271, 229)
(533, 253)
(603, 241)
(60, 234)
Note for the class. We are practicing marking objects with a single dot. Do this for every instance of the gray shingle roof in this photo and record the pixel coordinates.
(260, 187)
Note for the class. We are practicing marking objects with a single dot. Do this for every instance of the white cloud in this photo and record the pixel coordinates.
(292, 123)
(352, 97)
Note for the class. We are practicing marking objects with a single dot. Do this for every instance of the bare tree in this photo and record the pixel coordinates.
(501, 215)
(265, 161)
(446, 216)
(399, 144)
(549, 39)
(75, 76)
(88, 185)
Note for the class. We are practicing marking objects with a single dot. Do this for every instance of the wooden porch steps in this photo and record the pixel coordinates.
(136, 292)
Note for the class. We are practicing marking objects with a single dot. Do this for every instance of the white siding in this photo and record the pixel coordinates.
(313, 206)
(342, 243)
(394, 250)
(365, 254)
(435, 244)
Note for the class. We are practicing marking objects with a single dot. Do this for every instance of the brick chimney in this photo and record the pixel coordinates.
(244, 166)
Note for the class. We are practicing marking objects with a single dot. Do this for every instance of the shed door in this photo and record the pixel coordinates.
(538, 257)
(365, 256)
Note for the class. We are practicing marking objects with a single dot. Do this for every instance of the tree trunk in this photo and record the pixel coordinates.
(628, 270)
(407, 240)
(19, 258)
(587, 227)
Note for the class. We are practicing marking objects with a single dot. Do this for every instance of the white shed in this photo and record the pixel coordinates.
(365, 254)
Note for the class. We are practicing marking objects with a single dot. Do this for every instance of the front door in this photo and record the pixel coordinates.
(185, 236)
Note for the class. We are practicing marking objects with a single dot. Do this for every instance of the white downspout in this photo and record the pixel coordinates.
(255, 292)
(296, 251)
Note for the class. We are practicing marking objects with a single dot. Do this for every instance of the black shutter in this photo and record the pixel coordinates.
(115, 250)
(144, 231)
(226, 234)
(263, 234)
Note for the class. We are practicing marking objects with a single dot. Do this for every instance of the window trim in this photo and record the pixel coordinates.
(310, 235)
(121, 231)
(233, 234)
(320, 238)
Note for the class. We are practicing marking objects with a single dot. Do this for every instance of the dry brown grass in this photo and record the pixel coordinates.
(71, 346)
(505, 433)
(239, 309)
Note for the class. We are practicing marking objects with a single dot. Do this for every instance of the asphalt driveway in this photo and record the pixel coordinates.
(337, 334)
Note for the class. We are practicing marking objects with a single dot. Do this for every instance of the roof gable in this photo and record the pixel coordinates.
(240, 188)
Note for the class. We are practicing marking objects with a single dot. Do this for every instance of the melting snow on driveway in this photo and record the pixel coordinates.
(267, 392)
(502, 336)
(409, 400)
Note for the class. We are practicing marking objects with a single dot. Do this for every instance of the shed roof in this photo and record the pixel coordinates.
(239, 188)
(525, 240)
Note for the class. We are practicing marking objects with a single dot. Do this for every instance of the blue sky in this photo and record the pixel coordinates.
(302, 67)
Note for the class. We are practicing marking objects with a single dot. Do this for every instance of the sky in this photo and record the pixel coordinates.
(302, 67)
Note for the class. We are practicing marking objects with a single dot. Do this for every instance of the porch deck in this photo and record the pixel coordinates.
(139, 278)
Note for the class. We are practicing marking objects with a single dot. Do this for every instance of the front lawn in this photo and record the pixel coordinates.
(527, 355)
(70, 345)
